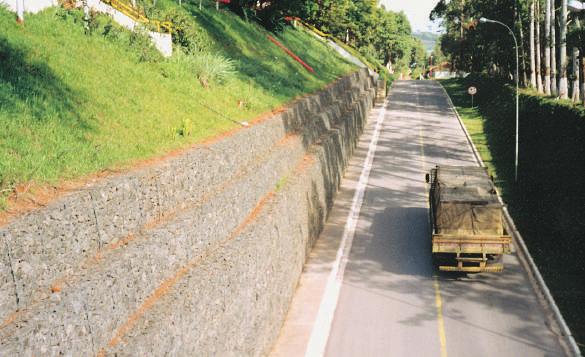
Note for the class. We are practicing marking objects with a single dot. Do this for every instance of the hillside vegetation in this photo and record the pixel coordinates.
(383, 36)
(547, 32)
(73, 104)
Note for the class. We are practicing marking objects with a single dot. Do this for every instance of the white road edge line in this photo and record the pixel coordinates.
(538, 282)
(322, 327)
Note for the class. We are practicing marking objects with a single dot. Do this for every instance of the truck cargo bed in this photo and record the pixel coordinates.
(466, 218)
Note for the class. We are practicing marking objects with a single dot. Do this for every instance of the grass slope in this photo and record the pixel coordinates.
(547, 202)
(72, 104)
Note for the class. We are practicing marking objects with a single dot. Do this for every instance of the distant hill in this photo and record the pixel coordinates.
(428, 39)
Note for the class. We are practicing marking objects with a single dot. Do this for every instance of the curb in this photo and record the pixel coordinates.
(538, 284)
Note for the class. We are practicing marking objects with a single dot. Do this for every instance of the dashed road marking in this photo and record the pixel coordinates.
(441, 323)
(436, 285)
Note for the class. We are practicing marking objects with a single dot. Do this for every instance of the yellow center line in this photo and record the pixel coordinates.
(438, 301)
(441, 322)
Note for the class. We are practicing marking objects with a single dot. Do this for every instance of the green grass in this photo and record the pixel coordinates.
(73, 104)
(547, 201)
(473, 121)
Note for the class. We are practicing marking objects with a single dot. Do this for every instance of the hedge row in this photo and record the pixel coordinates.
(548, 202)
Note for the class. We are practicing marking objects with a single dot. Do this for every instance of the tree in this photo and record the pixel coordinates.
(519, 26)
(381, 35)
(473, 47)
(575, 95)
(538, 52)
(576, 40)
(418, 54)
(532, 46)
(563, 85)
(547, 48)
(553, 50)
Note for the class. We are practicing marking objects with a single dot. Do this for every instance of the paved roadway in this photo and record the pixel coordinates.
(392, 302)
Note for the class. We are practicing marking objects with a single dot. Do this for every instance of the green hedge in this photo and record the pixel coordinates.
(548, 203)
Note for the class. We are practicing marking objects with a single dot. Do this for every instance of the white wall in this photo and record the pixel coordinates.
(118, 16)
(162, 41)
(33, 6)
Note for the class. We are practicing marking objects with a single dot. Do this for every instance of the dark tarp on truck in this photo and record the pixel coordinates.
(468, 227)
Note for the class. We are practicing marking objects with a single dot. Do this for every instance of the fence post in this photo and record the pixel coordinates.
(20, 11)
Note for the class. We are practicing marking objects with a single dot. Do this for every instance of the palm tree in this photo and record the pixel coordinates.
(547, 48)
(532, 52)
(553, 50)
(576, 95)
(563, 85)
(519, 25)
(538, 53)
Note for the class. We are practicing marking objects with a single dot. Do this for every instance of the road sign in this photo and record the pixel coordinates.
(472, 91)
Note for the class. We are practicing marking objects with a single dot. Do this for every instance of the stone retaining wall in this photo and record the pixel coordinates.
(198, 255)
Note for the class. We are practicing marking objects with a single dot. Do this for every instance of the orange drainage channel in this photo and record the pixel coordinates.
(68, 280)
(290, 53)
(164, 288)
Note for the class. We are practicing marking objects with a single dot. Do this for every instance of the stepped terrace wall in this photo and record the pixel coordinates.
(197, 255)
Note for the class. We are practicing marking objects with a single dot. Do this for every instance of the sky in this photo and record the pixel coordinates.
(417, 12)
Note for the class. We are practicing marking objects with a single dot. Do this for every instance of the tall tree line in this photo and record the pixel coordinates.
(551, 55)
(382, 35)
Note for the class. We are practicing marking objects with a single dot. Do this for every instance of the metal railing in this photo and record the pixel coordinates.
(139, 17)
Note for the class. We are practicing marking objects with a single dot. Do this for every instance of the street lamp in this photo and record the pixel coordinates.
(576, 6)
(483, 20)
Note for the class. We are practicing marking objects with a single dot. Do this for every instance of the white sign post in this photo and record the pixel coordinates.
(472, 91)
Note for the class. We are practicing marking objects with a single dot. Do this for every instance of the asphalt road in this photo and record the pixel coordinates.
(392, 302)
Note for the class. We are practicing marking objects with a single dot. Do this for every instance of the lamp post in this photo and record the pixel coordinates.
(483, 20)
(576, 6)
